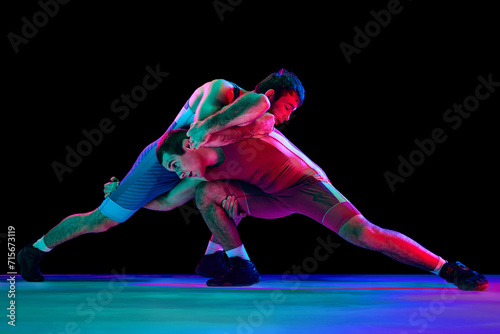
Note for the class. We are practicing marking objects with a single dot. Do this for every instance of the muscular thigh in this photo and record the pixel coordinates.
(319, 201)
(253, 201)
(97, 218)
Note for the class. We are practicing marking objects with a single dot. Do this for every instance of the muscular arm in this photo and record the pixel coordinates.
(217, 112)
(260, 127)
(180, 194)
(243, 111)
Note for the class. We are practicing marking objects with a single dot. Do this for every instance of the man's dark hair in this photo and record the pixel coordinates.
(171, 143)
(282, 82)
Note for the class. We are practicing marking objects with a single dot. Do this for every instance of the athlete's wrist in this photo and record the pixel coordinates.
(210, 125)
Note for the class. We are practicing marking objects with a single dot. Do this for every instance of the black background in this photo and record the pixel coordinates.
(356, 120)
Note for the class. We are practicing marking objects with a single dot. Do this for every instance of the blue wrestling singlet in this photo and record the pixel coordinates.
(147, 179)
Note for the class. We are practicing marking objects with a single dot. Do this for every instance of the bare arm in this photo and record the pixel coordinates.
(216, 95)
(180, 194)
(260, 127)
(245, 110)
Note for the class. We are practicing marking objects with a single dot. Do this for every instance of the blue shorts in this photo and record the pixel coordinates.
(146, 180)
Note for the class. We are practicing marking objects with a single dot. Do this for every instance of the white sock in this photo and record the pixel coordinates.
(440, 264)
(239, 252)
(40, 244)
(213, 247)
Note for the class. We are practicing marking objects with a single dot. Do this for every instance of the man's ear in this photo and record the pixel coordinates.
(186, 145)
(270, 94)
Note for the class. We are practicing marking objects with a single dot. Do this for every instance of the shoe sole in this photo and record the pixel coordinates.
(201, 273)
(231, 284)
(480, 287)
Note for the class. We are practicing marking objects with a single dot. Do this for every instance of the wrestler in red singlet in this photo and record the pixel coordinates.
(280, 180)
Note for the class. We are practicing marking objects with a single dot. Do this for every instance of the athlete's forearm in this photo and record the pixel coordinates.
(260, 127)
(230, 135)
(160, 203)
(179, 195)
(244, 110)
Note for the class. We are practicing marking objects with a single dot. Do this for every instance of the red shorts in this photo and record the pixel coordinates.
(312, 198)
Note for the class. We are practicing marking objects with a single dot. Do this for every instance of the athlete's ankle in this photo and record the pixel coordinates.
(238, 252)
(438, 267)
(213, 247)
(40, 245)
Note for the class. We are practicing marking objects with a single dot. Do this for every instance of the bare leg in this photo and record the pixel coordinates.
(209, 197)
(223, 228)
(76, 225)
(397, 246)
(214, 240)
(230, 206)
(29, 257)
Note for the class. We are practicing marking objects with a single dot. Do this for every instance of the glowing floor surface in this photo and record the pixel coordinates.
(401, 304)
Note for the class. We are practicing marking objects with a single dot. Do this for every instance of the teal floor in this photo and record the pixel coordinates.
(79, 304)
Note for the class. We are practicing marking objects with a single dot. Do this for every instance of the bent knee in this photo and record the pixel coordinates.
(208, 192)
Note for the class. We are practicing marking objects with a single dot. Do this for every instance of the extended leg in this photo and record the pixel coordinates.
(353, 227)
(361, 232)
(325, 204)
(29, 257)
(76, 225)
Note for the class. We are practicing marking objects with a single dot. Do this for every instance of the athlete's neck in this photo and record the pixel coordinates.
(213, 156)
(221, 157)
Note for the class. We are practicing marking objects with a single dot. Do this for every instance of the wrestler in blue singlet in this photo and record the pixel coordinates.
(147, 179)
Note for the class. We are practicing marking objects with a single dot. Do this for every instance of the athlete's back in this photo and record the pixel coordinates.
(271, 163)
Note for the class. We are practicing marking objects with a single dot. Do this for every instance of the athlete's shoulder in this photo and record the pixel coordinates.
(221, 88)
(219, 85)
(218, 92)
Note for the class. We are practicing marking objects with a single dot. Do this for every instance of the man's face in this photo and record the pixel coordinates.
(190, 164)
(283, 107)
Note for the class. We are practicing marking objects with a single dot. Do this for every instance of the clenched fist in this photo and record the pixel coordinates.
(111, 186)
(197, 134)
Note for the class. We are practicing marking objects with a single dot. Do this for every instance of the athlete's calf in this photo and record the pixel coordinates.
(209, 197)
(76, 225)
(359, 231)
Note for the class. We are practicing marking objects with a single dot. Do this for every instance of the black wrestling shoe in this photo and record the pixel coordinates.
(242, 273)
(213, 265)
(463, 277)
(29, 260)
